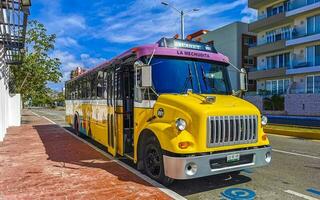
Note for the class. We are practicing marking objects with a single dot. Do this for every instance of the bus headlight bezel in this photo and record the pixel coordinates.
(181, 124)
(264, 120)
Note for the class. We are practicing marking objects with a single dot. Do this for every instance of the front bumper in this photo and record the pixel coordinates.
(199, 166)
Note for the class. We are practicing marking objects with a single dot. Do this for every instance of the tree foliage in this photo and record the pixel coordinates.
(37, 68)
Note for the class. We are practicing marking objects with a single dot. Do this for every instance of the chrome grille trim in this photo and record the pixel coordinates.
(231, 130)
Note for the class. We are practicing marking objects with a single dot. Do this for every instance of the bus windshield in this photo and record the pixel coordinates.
(176, 75)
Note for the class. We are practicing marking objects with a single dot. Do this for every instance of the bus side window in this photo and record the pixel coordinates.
(109, 88)
(79, 89)
(100, 85)
(93, 82)
(88, 88)
(105, 85)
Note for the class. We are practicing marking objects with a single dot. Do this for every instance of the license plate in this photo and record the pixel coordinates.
(233, 158)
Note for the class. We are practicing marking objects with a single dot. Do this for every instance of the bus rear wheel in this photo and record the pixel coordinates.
(153, 161)
(76, 125)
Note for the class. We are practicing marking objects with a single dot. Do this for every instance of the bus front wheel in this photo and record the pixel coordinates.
(153, 161)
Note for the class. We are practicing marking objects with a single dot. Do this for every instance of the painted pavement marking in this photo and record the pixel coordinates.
(314, 191)
(161, 187)
(35, 114)
(238, 194)
(296, 154)
(300, 195)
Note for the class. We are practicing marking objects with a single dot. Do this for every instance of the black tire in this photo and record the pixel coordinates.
(153, 161)
(235, 173)
(76, 125)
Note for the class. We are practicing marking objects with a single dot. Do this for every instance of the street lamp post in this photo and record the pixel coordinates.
(182, 14)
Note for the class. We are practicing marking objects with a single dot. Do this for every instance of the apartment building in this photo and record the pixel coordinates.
(288, 51)
(232, 40)
(288, 46)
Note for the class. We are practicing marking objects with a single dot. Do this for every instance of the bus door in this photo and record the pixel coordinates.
(127, 89)
(111, 121)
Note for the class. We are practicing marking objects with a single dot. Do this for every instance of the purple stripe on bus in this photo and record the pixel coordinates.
(154, 48)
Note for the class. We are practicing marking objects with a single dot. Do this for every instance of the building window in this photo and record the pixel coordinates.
(276, 9)
(313, 25)
(313, 55)
(278, 61)
(248, 41)
(249, 60)
(313, 84)
(277, 86)
(283, 33)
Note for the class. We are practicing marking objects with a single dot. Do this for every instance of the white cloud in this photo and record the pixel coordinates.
(139, 21)
(66, 42)
(89, 61)
(250, 15)
(70, 62)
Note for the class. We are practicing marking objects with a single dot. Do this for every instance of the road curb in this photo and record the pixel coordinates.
(299, 134)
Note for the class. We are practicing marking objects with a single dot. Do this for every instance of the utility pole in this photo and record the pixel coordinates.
(182, 14)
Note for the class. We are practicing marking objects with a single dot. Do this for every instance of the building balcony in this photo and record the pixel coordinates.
(266, 73)
(267, 48)
(302, 38)
(258, 3)
(294, 8)
(297, 7)
(303, 68)
(268, 22)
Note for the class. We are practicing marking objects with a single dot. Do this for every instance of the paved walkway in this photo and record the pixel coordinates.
(39, 160)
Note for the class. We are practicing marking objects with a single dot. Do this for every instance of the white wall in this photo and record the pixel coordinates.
(14, 112)
(9, 104)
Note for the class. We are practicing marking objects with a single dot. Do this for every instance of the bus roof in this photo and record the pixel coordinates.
(168, 47)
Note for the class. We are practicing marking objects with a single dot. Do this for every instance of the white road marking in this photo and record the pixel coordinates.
(52, 122)
(300, 195)
(154, 183)
(35, 114)
(295, 154)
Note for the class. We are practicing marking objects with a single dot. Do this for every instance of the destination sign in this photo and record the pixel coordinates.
(185, 44)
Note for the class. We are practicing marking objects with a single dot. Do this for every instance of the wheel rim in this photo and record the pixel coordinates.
(152, 161)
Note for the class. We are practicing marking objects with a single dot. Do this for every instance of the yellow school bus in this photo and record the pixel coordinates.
(170, 108)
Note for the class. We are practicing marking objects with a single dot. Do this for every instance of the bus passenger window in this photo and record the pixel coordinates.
(100, 85)
(93, 82)
(105, 85)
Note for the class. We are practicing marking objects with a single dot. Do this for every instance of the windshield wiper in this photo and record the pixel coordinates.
(189, 78)
(204, 78)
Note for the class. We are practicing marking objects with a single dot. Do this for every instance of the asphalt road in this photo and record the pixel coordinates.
(293, 174)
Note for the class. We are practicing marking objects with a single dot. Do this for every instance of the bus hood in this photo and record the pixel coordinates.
(222, 105)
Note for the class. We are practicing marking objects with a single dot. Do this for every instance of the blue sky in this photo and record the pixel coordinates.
(90, 32)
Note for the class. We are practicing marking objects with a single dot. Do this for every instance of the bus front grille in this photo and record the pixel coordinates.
(231, 130)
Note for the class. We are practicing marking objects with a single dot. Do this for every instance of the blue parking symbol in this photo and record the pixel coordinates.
(238, 194)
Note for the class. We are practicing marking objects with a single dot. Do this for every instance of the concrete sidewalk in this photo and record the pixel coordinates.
(39, 160)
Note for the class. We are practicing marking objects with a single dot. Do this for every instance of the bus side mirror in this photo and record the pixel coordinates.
(243, 80)
(143, 75)
(146, 76)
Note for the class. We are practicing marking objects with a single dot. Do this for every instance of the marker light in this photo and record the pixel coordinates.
(264, 137)
(264, 120)
(181, 124)
(184, 145)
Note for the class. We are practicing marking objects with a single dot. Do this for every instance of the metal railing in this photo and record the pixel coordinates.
(291, 5)
(231, 130)
(295, 4)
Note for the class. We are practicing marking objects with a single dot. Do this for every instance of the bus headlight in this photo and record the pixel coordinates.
(181, 124)
(264, 120)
